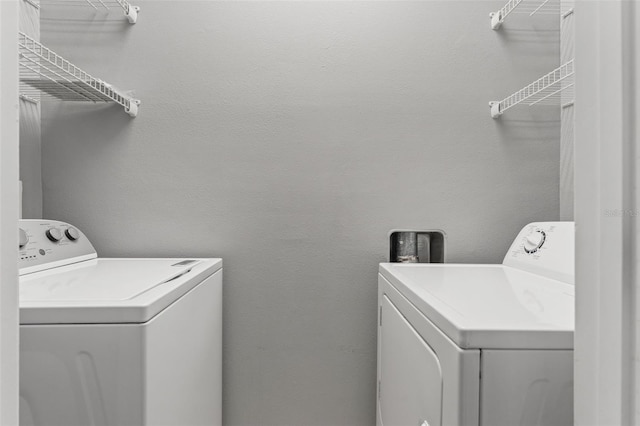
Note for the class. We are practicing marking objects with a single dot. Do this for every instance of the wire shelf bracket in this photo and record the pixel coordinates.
(497, 18)
(33, 4)
(544, 90)
(29, 99)
(131, 12)
(43, 72)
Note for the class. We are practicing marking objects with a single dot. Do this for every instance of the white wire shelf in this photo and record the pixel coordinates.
(43, 72)
(551, 89)
(530, 7)
(130, 11)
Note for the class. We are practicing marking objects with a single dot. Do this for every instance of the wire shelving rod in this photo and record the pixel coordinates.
(43, 72)
(130, 11)
(531, 7)
(547, 89)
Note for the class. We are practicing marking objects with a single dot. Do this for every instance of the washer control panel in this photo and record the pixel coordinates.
(45, 244)
(545, 248)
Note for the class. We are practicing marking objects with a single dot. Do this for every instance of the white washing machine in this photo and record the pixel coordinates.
(488, 345)
(116, 341)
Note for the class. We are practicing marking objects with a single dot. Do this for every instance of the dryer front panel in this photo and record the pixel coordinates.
(423, 377)
(410, 388)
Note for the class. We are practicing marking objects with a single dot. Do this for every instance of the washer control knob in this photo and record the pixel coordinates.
(54, 234)
(23, 238)
(534, 241)
(72, 234)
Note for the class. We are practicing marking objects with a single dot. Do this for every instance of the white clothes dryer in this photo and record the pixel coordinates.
(116, 341)
(482, 345)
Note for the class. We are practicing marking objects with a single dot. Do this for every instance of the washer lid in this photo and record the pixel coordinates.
(489, 306)
(109, 290)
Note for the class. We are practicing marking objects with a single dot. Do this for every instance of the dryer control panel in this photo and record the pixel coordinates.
(545, 248)
(45, 244)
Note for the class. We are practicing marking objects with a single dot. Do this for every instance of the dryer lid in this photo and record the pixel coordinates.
(489, 306)
(109, 290)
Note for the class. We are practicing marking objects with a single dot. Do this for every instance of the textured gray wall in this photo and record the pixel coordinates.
(30, 138)
(289, 138)
(567, 116)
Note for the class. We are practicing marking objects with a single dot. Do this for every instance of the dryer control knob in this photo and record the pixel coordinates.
(534, 241)
(72, 234)
(23, 238)
(54, 234)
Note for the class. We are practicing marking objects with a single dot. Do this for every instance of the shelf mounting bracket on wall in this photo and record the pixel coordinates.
(131, 12)
(43, 72)
(545, 89)
(497, 18)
